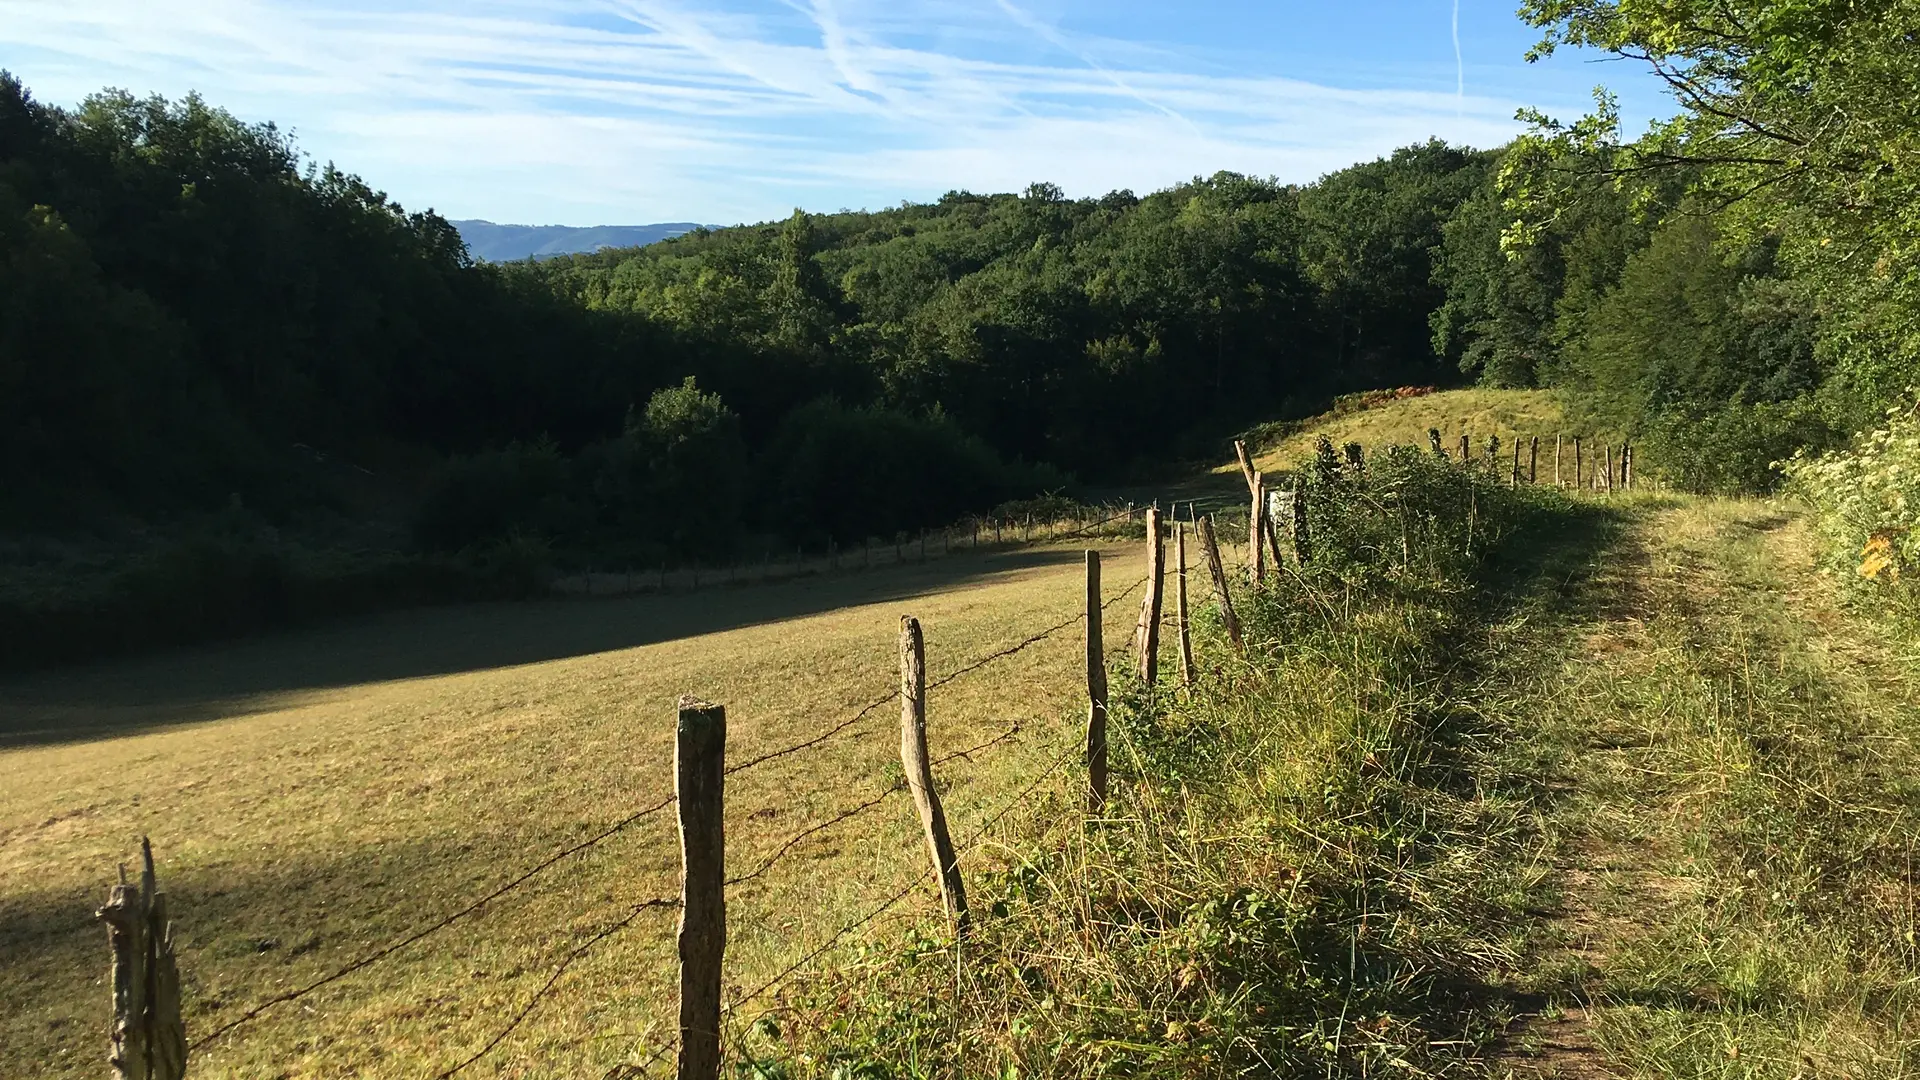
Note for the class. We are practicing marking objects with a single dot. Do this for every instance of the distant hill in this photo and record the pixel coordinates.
(510, 243)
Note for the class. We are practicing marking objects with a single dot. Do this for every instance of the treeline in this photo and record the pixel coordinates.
(1737, 285)
(196, 324)
(196, 319)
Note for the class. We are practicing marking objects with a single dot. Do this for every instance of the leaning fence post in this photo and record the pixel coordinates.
(919, 770)
(1246, 462)
(1146, 635)
(1256, 536)
(149, 1040)
(1096, 692)
(1180, 602)
(699, 765)
(1210, 547)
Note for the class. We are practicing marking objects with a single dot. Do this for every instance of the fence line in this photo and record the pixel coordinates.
(630, 582)
(610, 831)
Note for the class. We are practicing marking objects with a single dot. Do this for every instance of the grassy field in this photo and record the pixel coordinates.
(1509, 414)
(316, 795)
(1625, 794)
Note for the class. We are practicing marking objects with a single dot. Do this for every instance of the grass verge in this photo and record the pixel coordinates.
(1297, 873)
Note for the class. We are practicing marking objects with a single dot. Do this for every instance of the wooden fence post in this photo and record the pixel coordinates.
(919, 770)
(1609, 468)
(1146, 635)
(149, 1039)
(1557, 481)
(699, 767)
(1256, 530)
(1466, 449)
(1533, 461)
(1579, 458)
(1246, 462)
(1433, 442)
(1513, 480)
(1210, 547)
(1096, 692)
(1626, 466)
(1180, 602)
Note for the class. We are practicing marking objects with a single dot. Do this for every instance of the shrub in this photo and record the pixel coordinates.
(849, 473)
(1867, 500)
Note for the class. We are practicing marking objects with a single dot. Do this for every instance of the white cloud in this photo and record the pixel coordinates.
(588, 111)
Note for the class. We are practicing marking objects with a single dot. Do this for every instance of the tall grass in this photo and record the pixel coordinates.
(1294, 873)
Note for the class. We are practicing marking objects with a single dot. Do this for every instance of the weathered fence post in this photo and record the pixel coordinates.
(1256, 526)
(1466, 449)
(1433, 442)
(1609, 468)
(1096, 692)
(1626, 466)
(1210, 547)
(1557, 481)
(919, 770)
(1579, 460)
(1180, 602)
(699, 766)
(1533, 461)
(1246, 462)
(1146, 635)
(1513, 480)
(149, 1040)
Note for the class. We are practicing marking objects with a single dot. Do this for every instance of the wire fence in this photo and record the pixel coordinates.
(846, 728)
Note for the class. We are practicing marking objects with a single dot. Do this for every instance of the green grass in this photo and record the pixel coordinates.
(1722, 766)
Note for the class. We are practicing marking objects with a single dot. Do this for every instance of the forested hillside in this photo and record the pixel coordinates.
(207, 339)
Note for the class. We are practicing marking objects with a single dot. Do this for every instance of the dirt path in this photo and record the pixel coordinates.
(1722, 766)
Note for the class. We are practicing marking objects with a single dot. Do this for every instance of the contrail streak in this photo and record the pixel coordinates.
(1459, 66)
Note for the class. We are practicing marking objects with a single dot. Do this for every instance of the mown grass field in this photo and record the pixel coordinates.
(313, 796)
(1509, 414)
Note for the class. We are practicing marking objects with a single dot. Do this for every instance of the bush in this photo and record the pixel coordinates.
(849, 473)
(1867, 500)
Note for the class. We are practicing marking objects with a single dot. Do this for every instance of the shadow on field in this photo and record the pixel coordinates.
(216, 682)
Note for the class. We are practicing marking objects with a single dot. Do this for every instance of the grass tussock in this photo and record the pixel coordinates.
(1295, 872)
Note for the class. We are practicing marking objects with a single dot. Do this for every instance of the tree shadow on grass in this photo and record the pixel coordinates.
(220, 681)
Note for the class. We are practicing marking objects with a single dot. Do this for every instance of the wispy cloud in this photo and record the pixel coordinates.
(590, 111)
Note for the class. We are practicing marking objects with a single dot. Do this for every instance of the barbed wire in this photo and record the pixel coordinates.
(627, 822)
(915, 882)
(434, 928)
(539, 995)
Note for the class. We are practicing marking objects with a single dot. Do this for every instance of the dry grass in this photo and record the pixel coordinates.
(1480, 413)
(313, 796)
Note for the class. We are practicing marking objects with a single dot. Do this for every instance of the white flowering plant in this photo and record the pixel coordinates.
(1867, 498)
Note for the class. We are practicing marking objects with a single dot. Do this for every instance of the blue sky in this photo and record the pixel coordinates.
(585, 112)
